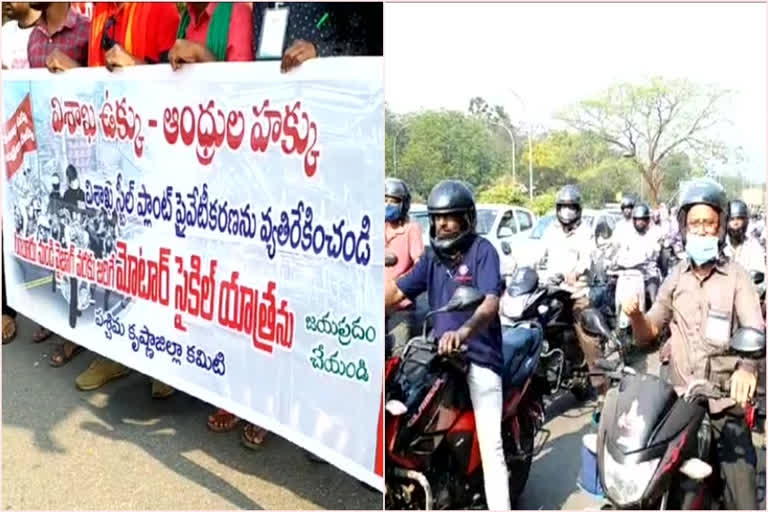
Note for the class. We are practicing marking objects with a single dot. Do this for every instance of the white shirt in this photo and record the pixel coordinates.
(13, 40)
(635, 249)
(623, 228)
(749, 255)
(568, 252)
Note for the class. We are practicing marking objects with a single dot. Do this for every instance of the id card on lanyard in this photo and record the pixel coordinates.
(273, 31)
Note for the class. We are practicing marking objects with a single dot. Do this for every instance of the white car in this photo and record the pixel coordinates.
(497, 223)
(529, 251)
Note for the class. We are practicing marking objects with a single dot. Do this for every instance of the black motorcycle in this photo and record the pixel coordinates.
(550, 305)
(653, 447)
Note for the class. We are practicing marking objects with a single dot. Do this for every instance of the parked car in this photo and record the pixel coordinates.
(531, 249)
(496, 222)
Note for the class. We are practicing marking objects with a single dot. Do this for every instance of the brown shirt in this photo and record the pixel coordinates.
(702, 314)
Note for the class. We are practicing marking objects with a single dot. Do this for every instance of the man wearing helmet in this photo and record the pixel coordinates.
(624, 225)
(642, 245)
(568, 249)
(703, 301)
(403, 239)
(460, 257)
(739, 246)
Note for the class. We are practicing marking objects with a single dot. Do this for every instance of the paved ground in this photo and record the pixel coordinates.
(552, 483)
(117, 449)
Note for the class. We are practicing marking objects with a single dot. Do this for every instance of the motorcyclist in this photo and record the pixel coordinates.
(739, 246)
(624, 225)
(643, 245)
(458, 256)
(568, 246)
(403, 239)
(702, 301)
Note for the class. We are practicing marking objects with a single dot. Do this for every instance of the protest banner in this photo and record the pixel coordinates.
(219, 228)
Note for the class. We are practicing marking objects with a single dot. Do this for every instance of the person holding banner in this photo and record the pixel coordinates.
(59, 40)
(296, 32)
(15, 34)
(213, 32)
(132, 33)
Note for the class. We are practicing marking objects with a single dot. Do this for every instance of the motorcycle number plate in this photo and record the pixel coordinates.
(718, 326)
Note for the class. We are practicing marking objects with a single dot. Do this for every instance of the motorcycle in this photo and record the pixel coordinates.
(432, 451)
(548, 306)
(653, 446)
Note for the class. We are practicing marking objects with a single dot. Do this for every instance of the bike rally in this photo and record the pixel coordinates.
(480, 340)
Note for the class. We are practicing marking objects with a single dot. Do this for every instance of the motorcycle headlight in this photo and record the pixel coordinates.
(512, 307)
(626, 483)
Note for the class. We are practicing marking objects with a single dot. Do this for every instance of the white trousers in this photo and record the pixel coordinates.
(487, 401)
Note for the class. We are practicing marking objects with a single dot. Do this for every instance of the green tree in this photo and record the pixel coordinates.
(447, 145)
(542, 203)
(650, 122)
(503, 191)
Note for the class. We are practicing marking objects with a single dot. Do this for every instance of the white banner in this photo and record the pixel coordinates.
(219, 228)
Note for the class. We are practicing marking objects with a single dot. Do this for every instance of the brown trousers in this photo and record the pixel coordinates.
(589, 344)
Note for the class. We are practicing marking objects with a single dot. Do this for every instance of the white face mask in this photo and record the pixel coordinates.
(74, 184)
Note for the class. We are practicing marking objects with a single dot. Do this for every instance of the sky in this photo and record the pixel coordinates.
(440, 55)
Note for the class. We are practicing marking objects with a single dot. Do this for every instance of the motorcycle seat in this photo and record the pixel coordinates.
(520, 347)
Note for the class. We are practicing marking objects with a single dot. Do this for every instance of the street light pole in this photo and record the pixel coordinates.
(530, 143)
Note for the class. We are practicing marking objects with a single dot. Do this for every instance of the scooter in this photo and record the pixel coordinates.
(653, 446)
(432, 452)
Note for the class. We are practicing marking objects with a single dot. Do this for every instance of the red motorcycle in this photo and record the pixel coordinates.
(433, 457)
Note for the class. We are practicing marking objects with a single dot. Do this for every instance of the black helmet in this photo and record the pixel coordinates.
(641, 211)
(738, 209)
(627, 202)
(394, 187)
(451, 197)
(569, 195)
(703, 192)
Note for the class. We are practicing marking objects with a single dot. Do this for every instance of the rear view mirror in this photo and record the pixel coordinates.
(748, 342)
(505, 248)
(390, 259)
(465, 298)
(757, 277)
(594, 323)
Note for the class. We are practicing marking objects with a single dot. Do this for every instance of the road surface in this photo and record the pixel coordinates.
(117, 449)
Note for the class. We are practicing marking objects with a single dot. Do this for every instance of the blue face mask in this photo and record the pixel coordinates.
(392, 212)
(701, 249)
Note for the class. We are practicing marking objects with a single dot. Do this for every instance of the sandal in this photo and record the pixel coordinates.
(62, 356)
(253, 436)
(222, 421)
(41, 335)
(9, 329)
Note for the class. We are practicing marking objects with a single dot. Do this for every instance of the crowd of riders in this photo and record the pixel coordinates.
(701, 262)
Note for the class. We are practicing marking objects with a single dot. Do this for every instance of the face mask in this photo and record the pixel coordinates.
(701, 249)
(392, 212)
(74, 184)
(567, 215)
(737, 235)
